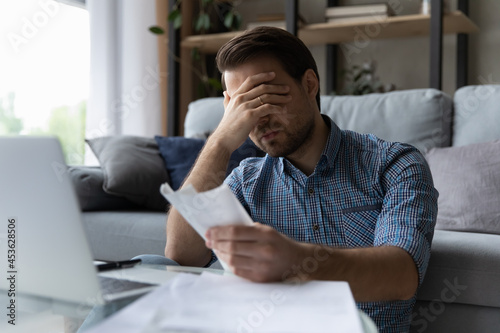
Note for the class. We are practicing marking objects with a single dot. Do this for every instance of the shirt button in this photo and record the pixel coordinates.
(315, 227)
(311, 190)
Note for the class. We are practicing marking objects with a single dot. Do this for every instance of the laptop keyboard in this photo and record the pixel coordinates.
(113, 285)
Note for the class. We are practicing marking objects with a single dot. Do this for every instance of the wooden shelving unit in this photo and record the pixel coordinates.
(392, 27)
(208, 43)
(331, 33)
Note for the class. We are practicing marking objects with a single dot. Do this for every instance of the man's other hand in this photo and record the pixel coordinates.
(246, 103)
(258, 253)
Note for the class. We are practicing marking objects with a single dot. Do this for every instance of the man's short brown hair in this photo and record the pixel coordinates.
(289, 50)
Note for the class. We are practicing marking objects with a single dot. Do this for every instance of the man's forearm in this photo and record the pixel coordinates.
(374, 274)
(184, 245)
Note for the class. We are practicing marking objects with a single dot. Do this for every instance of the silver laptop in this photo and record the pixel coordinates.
(43, 245)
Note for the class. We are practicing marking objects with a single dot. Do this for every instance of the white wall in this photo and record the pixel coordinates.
(484, 47)
(405, 61)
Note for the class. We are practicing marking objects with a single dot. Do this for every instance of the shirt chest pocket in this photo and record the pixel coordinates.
(359, 225)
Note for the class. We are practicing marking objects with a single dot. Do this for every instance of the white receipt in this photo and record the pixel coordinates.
(204, 210)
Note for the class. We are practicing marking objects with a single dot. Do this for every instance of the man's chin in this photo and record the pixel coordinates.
(274, 151)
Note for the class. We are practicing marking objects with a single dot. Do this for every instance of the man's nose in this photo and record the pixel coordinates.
(263, 121)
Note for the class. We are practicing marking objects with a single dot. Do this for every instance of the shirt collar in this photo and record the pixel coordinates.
(332, 143)
(329, 152)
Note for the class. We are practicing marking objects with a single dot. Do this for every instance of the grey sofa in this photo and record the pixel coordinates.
(461, 291)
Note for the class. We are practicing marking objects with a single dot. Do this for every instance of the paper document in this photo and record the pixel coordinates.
(204, 210)
(225, 303)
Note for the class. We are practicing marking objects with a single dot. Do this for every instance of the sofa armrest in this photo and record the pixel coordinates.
(464, 268)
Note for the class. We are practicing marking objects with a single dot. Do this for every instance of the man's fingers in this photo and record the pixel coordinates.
(253, 81)
(263, 251)
(247, 267)
(257, 85)
(226, 99)
(235, 247)
(262, 95)
(273, 99)
(254, 232)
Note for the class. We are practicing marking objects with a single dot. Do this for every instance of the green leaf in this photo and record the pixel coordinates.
(237, 21)
(173, 15)
(198, 24)
(205, 3)
(201, 90)
(176, 18)
(203, 22)
(178, 22)
(358, 76)
(216, 84)
(206, 22)
(157, 30)
(228, 20)
(195, 54)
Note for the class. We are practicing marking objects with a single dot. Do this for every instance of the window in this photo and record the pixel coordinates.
(44, 68)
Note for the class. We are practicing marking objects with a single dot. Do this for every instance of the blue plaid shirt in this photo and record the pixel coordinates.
(363, 192)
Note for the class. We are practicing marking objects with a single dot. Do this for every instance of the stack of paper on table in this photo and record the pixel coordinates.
(226, 303)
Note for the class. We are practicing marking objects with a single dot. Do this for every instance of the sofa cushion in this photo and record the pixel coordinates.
(133, 169)
(120, 235)
(179, 155)
(246, 150)
(464, 268)
(203, 116)
(417, 116)
(476, 114)
(468, 181)
(88, 182)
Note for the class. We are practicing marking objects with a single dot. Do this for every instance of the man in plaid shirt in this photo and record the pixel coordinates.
(328, 204)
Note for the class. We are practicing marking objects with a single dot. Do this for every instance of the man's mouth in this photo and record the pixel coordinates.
(269, 135)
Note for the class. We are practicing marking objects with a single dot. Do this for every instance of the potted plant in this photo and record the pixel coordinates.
(212, 16)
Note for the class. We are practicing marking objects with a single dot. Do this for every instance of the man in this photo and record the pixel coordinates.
(327, 204)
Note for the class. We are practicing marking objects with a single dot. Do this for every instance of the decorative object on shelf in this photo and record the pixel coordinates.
(425, 7)
(273, 20)
(345, 14)
(213, 16)
(361, 80)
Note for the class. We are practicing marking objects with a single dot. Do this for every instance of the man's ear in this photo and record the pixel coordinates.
(310, 83)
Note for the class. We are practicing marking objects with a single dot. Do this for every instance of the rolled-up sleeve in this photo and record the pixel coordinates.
(409, 210)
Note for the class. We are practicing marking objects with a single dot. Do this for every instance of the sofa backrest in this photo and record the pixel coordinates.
(203, 116)
(420, 117)
(417, 117)
(476, 114)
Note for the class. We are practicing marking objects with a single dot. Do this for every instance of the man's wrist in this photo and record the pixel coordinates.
(222, 145)
(310, 263)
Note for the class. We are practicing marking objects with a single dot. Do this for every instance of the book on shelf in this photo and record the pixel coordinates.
(273, 20)
(358, 10)
(356, 19)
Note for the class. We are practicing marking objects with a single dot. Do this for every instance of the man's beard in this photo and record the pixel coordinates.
(293, 141)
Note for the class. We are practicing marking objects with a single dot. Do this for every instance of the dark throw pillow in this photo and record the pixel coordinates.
(179, 155)
(133, 168)
(88, 182)
(246, 150)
